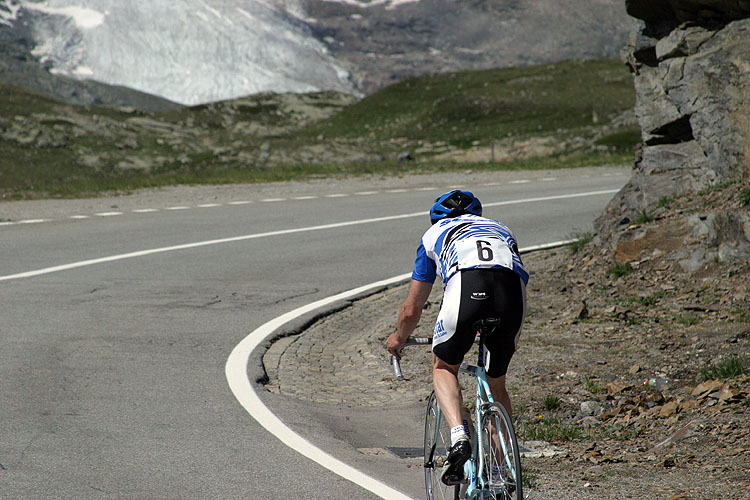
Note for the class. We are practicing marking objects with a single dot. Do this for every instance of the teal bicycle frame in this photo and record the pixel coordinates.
(477, 484)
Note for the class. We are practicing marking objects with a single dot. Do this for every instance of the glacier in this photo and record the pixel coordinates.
(188, 51)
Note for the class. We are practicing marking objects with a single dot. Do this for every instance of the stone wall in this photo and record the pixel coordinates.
(691, 68)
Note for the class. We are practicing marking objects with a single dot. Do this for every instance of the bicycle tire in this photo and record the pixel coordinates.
(497, 425)
(437, 442)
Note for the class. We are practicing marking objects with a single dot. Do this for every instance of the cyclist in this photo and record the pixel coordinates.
(483, 276)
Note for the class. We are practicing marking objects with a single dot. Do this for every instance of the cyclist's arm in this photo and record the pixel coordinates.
(409, 314)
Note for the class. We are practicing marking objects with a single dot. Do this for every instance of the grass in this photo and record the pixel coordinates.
(83, 151)
(592, 386)
(664, 202)
(745, 197)
(550, 430)
(643, 217)
(551, 402)
(581, 240)
(688, 319)
(648, 300)
(727, 368)
(620, 270)
(529, 476)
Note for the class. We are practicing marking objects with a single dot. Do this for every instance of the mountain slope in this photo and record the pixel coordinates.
(193, 51)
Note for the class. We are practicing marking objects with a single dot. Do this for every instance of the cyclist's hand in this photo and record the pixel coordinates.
(393, 343)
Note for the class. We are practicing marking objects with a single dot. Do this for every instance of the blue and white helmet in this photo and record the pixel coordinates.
(453, 204)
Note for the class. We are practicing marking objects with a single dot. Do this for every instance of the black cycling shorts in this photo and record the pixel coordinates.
(475, 294)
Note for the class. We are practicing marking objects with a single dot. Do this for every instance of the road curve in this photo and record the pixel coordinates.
(112, 375)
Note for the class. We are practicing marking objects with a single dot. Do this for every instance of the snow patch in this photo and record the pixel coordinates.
(84, 17)
(189, 51)
(83, 71)
(9, 12)
(389, 4)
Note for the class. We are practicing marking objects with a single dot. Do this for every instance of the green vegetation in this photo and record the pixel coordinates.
(620, 270)
(664, 202)
(581, 240)
(550, 430)
(643, 217)
(592, 386)
(551, 402)
(648, 300)
(561, 113)
(529, 476)
(620, 432)
(745, 197)
(727, 368)
(688, 319)
(621, 141)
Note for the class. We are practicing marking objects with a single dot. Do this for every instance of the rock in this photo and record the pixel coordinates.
(618, 387)
(590, 408)
(691, 105)
(705, 388)
(669, 409)
(583, 311)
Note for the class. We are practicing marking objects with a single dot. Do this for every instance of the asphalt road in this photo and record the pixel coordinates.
(112, 381)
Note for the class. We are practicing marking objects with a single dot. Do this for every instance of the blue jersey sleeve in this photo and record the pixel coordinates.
(424, 267)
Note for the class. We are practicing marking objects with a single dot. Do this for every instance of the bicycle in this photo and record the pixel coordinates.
(494, 469)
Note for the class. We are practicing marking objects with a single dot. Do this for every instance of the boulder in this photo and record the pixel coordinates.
(691, 67)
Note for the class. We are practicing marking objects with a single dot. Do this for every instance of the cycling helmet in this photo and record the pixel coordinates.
(453, 204)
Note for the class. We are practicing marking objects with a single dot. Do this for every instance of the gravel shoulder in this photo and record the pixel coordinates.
(595, 332)
(577, 382)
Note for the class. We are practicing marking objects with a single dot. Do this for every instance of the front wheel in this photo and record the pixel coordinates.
(437, 443)
(501, 458)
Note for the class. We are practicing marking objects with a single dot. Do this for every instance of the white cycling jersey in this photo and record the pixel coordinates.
(466, 242)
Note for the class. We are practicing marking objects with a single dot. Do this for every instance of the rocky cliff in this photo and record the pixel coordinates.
(691, 68)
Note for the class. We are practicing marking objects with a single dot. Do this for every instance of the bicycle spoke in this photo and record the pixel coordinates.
(436, 447)
(501, 461)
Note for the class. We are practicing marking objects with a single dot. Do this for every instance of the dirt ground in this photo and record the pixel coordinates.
(596, 332)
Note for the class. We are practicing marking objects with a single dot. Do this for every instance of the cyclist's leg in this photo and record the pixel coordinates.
(500, 392)
(447, 390)
(449, 344)
(509, 302)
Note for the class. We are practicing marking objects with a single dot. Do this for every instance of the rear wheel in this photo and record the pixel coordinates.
(501, 464)
(437, 443)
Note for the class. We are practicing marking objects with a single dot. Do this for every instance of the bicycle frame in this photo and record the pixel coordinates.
(483, 398)
(476, 486)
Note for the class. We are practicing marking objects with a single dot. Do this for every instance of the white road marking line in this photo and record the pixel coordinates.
(239, 202)
(547, 179)
(80, 216)
(208, 205)
(108, 214)
(305, 198)
(336, 195)
(33, 221)
(240, 385)
(8, 223)
(236, 366)
(426, 189)
(271, 200)
(186, 246)
(145, 210)
(519, 181)
(236, 373)
(365, 193)
(396, 190)
(177, 208)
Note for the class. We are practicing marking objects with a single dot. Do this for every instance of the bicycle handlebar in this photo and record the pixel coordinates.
(395, 361)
